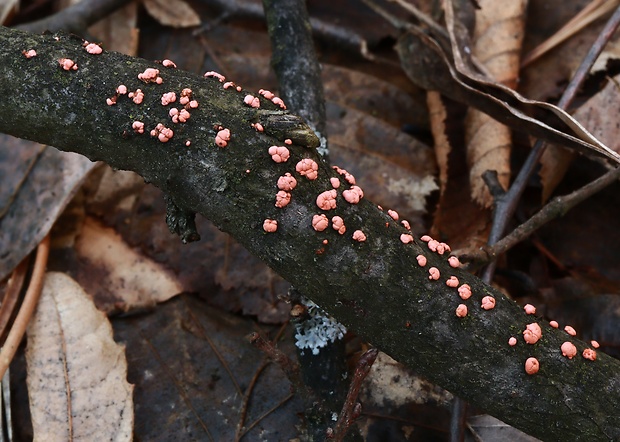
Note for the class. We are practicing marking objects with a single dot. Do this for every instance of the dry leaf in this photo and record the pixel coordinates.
(437, 115)
(175, 13)
(119, 31)
(76, 372)
(488, 428)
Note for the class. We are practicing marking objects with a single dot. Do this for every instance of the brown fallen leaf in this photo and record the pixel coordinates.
(175, 13)
(77, 374)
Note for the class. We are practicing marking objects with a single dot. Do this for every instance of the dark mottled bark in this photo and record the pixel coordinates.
(375, 288)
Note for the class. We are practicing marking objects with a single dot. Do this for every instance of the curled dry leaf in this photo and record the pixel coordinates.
(175, 13)
(76, 372)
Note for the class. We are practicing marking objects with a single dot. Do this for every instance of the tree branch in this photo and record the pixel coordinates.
(375, 287)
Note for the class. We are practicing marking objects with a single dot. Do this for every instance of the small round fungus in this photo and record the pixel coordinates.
(453, 282)
(512, 341)
(93, 48)
(282, 198)
(421, 260)
(288, 141)
(393, 214)
(267, 94)
(595, 344)
(251, 101)
(590, 354)
(433, 273)
(168, 63)
(287, 182)
(121, 89)
(454, 262)
(278, 102)
(425, 238)
(554, 324)
(532, 366)
(110, 101)
(308, 168)
(529, 309)
(138, 127)
(259, 127)
(188, 143)
(432, 245)
(270, 225)
(353, 195)
(347, 176)
(168, 97)
(279, 154)
(214, 74)
(570, 330)
(335, 182)
(327, 200)
(222, 138)
(442, 247)
(406, 238)
(359, 236)
(532, 333)
(569, 350)
(320, 222)
(162, 133)
(68, 64)
(136, 96)
(406, 224)
(488, 303)
(461, 311)
(150, 75)
(29, 53)
(338, 224)
(465, 291)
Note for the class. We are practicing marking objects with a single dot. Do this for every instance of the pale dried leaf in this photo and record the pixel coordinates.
(175, 13)
(554, 164)
(118, 276)
(486, 428)
(437, 115)
(76, 372)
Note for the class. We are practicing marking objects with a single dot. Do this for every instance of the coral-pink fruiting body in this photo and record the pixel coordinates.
(445, 246)
(150, 75)
(347, 176)
(187, 143)
(425, 238)
(259, 127)
(433, 273)
(461, 311)
(453, 282)
(288, 141)
(464, 291)
(138, 127)
(338, 224)
(278, 101)
(532, 333)
(406, 224)
(406, 238)
(393, 214)
(168, 97)
(359, 236)
(29, 53)
(570, 330)
(162, 133)
(335, 182)
(228, 84)
(279, 154)
(136, 96)
(569, 350)
(327, 200)
(267, 94)
(308, 168)
(529, 309)
(287, 182)
(554, 324)
(454, 262)
(282, 198)
(532, 366)
(512, 341)
(595, 344)
(488, 302)
(251, 101)
(121, 89)
(590, 354)
(270, 225)
(193, 104)
(68, 64)
(179, 116)
(222, 138)
(421, 260)
(220, 77)
(441, 248)
(432, 245)
(353, 195)
(320, 222)
(93, 48)
(168, 64)
(110, 101)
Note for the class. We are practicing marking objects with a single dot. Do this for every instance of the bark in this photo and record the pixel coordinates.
(375, 288)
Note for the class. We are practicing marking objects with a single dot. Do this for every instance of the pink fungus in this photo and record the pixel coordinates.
(532, 333)
(335, 182)
(325, 242)
(347, 176)
(287, 182)
(434, 273)
(136, 96)
(421, 260)
(251, 101)
(93, 48)
(179, 116)
(465, 291)
(288, 141)
(270, 225)
(453, 282)
(461, 311)
(278, 101)
(282, 198)
(406, 224)
(259, 127)
(223, 137)
(121, 89)
(320, 222)
(193, 104)
(168, 97)
(590, 354)
(186, 95)
(228, 84)
(512, 341)
(445, 246)
(267, 94)
(569, 350)
(393, 214)
(338, 224)
(168, 63)
(187, 143)
(554, 324)
(29, 53)
(406, 238)
(110, 101)
(359, 236)
(138, 127)
(570, 330)
(454, 262)
(425, 238)
(432, 245)
(308, 168)
(532, 366)
(327, 200)
(488, 303)
(353, 195)
(150, 75)
(529, 309)
(279, 154)
(162, 133)
(595, 344)
(68, 64)
(214, 74)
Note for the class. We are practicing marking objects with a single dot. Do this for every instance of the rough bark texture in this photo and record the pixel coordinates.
(375, 287)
